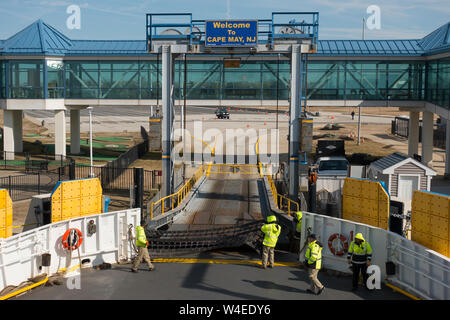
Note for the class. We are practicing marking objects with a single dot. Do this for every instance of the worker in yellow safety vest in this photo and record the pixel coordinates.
(313, 261)
(271, 232)
(298, 218)
(141, 244)
(359, 256)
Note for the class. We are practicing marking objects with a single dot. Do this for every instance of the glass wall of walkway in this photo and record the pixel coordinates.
(253, 80)
(438, 82)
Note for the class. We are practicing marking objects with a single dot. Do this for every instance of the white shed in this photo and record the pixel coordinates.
(401, 175)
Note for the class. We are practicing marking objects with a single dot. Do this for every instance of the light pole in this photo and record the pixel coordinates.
(91, 174)
(359, 107)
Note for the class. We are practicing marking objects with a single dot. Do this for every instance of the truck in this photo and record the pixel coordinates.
(332, 166)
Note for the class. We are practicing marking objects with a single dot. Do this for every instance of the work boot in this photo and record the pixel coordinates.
(134, 271)
(271, 266)
(310, 291)
(151, 268)
(320, 291)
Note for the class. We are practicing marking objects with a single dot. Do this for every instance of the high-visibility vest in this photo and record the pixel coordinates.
(359, 254)
(299, 221)
(141, 239)
(314, 255)
(272, 232)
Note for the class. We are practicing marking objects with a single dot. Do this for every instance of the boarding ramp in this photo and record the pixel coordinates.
(223, 211)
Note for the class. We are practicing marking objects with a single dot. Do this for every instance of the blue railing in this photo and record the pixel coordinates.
(292, 25)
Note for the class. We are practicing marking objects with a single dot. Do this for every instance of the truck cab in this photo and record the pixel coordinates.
(332, 166)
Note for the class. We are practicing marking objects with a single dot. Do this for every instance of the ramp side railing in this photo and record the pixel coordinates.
(283, 203)
(232, 169)
(177, 198)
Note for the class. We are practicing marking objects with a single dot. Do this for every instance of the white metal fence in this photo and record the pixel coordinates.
(419, 270)
(21, 255)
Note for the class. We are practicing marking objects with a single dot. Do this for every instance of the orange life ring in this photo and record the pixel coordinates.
(344, 247)
(72, 239)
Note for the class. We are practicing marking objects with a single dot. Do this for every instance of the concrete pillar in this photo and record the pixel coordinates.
(447, 151)
(427, 138)
(167, 80)
(413, 136)
(18, 131)
(294, 121)
(60, 133)
(12, 133)
(74, 131)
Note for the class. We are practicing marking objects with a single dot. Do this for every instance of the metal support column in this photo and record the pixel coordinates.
(447, 150)
(167, 64)
(75, 131)
(413, 133)
(139, 189)
(294, 121)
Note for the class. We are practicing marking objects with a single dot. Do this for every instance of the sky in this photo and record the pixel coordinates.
(121, 19)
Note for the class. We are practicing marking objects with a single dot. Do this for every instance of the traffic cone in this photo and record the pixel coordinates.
(265, 123)
(38, 131)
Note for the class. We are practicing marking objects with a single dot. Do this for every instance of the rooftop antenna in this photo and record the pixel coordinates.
(363, 28)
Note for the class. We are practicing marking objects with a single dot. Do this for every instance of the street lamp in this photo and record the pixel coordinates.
(91, 174)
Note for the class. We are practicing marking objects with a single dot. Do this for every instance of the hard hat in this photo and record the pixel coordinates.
(359, 236)
(271, 219)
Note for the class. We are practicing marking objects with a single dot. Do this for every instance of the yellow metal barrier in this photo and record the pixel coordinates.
(280, 200)
(430, 221)
(365, 201)
(231, 169)
(76, 198)
(178, 197)
(6, 214)
(260, 167)
(207, 144)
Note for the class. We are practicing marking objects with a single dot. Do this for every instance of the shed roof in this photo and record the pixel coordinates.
(388, 164)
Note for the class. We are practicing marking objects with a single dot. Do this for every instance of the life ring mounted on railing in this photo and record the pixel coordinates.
(342, 248)
(72, 239)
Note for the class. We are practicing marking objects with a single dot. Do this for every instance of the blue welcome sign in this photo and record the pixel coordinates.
(231, 33)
